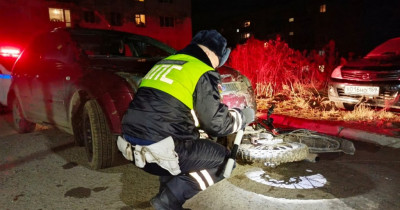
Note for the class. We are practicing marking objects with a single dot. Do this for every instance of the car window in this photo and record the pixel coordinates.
(89, 44)
(148, 50)
(117, 45)
(56, 49)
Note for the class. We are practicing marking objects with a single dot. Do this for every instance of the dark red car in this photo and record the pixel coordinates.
(82, 81)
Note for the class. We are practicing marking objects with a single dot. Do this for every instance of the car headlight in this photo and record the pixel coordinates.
(337, 73)
(332, 91)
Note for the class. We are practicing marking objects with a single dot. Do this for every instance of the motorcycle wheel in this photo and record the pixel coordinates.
(273, 154)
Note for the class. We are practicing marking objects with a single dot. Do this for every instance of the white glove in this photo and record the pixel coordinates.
(249, 115)
(125, 148)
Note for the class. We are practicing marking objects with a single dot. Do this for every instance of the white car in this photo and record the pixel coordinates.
(373, 80)
(8, 55)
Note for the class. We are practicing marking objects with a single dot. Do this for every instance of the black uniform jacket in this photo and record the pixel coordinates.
(154, 115)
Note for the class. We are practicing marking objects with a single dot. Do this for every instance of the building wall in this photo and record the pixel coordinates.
(19, 23)
(30, 17)
(177, 36)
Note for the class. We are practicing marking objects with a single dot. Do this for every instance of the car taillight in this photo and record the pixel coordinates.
(337, 73)
(9, 52)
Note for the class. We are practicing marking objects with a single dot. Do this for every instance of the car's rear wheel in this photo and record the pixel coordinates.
(20, 123)
(99, 142)
(77, 126)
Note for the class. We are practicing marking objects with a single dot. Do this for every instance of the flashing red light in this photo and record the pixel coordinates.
(9, 52)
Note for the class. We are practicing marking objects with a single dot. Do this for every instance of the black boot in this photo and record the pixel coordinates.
(163, 182)
(165, 200)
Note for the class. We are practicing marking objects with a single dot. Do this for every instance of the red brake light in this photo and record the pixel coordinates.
(9, 52)
(337, 73)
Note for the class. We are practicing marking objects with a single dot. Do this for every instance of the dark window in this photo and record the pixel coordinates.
(166, 21)
(116, 19)
(147, 50)
(89, 17)
(165, 1)
(115, 45)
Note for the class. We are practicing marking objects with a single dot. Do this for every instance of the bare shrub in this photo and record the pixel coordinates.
(296, 82)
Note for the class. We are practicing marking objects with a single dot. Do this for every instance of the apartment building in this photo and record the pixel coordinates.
(166, 20)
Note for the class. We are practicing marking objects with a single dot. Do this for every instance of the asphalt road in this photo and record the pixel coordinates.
(44, 170)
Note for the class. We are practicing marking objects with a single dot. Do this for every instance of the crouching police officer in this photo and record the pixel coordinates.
(176, 98)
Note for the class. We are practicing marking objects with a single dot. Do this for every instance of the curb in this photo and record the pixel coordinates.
(335, 129)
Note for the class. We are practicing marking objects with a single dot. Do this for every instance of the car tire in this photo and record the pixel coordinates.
(99, 143)
(77, 127)
(273, 154)
(21, 125)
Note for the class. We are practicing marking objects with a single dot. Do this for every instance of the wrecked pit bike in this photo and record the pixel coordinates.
(270, 146)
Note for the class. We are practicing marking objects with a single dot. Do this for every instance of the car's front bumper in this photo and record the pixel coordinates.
(389, 94)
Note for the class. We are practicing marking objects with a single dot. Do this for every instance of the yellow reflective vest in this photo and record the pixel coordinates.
(177, 75)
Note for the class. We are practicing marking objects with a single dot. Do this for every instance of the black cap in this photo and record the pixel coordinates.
(215, 42)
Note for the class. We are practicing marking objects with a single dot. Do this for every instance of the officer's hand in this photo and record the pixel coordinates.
(249, 115)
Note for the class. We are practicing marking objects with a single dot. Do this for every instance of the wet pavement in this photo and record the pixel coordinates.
(44, 170)
(369, 179)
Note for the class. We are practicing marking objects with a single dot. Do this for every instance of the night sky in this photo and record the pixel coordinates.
(208, 14)
(355, 24)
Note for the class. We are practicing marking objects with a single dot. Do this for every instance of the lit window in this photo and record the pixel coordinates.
(246, 24)
(246, 35)
(166, 21)
(237, 30)
(140, 0)
(291, 20)
(291, 33)
(60, 15)
(56, 15)
(322, 8)
(67, 14)
(140, 20)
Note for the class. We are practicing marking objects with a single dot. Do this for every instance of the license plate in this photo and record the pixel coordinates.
(362, 90)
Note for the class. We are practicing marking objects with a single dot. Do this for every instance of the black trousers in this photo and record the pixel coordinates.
(202, 164)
